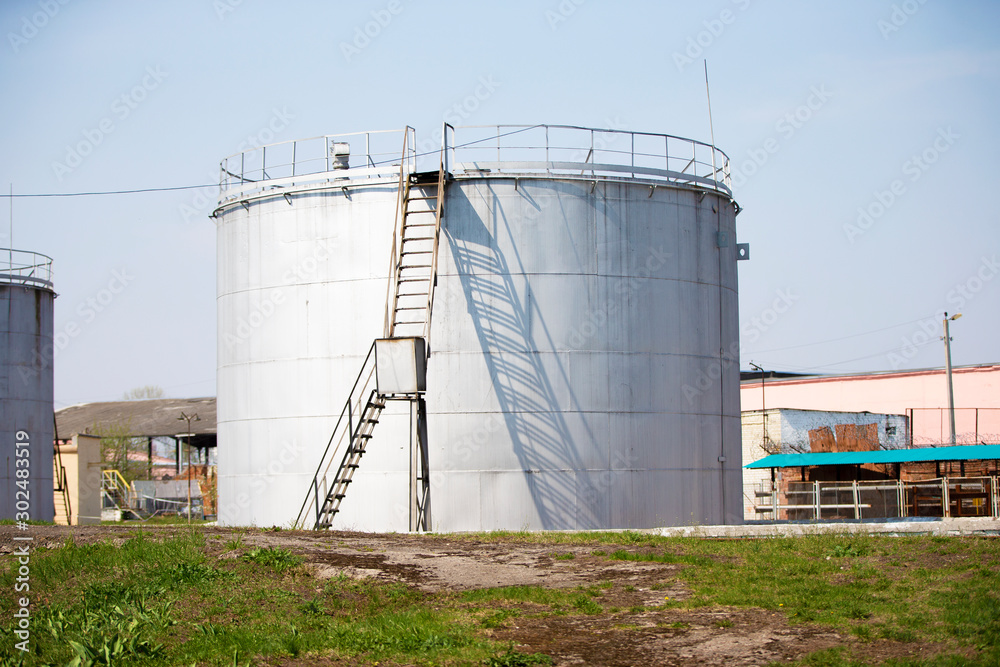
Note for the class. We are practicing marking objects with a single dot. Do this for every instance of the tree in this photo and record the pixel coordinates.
(117, 443)
(143, 393)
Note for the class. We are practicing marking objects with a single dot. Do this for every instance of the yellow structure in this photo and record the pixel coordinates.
(81, 458)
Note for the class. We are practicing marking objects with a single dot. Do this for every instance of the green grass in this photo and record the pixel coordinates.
(280, 560)
(942, 590)
(158, 520)
(163, 598)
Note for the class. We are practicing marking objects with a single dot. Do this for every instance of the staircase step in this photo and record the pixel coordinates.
(434, 196)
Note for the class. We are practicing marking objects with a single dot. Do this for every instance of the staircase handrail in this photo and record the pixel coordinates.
(113, 480)
(406, 166)
(345, 420)
(442, 172)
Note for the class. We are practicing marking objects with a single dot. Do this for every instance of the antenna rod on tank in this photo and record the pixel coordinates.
(711, 127)
(10, 238)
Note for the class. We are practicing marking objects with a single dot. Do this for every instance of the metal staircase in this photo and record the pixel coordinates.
(119, 492)
(415, 245)
(352, 458)
(60, 484)
(409, 301)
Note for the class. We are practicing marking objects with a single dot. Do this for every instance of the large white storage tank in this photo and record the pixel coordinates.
(26, 383)
(584, 338)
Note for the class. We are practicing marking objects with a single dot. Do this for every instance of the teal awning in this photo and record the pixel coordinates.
(959, 453)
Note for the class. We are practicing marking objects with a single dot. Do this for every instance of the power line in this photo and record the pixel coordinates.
(106, 192)
(212, 185)
(847, 361)
(833, 340)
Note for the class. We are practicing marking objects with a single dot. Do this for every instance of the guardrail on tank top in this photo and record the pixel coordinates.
(568, 150)
(303, 163)
(24, 267)
(476, 150)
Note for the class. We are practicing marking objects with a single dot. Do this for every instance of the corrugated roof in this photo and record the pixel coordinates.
(958, 453)
(149, 418)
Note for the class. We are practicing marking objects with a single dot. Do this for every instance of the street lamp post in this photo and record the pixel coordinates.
(951, 389)
(189, 419)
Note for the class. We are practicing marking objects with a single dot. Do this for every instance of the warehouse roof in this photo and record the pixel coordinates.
(958, 453)
(149, 418)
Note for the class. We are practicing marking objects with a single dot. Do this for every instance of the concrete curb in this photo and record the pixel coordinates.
(976, 526)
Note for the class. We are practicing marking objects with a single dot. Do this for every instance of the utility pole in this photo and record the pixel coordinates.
(951, 388)
(189, 419)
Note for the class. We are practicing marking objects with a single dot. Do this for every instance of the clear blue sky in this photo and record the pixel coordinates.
(822, 107)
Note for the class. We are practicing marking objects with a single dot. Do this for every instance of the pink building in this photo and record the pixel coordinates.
(921, 395)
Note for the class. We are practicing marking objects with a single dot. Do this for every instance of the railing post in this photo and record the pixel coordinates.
(993, 497)
(816, 498)
(945, 500)
(774, 500)
(350, 425)
(857, 500)
(633, 153)
(315, 486)
(547, 170)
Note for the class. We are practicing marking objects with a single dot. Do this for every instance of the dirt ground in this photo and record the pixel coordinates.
(618, 636)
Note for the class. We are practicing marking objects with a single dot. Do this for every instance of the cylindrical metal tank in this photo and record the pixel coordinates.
(584, 341)
(26, 384)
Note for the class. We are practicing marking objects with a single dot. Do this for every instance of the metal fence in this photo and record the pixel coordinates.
(24, 267)
(554, 150)
(940, 497)
(518, 150)
(316, 160)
